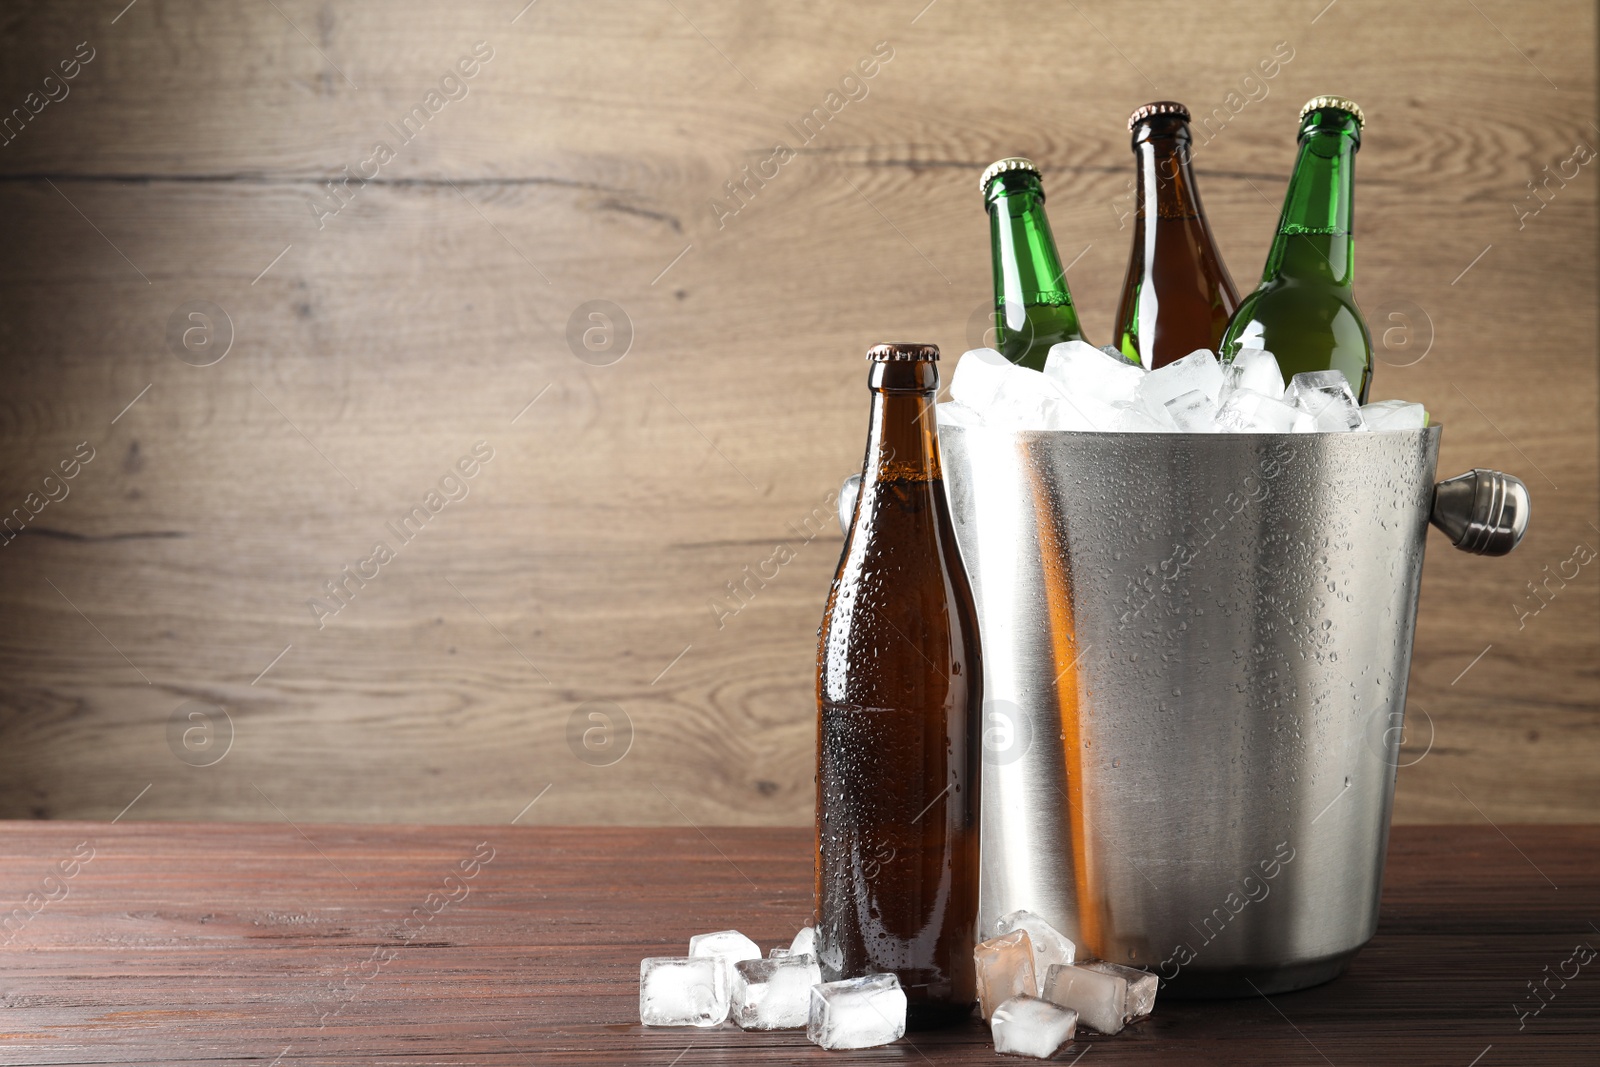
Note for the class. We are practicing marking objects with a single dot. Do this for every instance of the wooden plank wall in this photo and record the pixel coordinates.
(375, 333)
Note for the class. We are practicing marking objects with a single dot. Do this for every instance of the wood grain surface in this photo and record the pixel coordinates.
(211, 944)
(375, 332)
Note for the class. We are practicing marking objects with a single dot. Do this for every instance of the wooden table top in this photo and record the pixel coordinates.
(271, 944)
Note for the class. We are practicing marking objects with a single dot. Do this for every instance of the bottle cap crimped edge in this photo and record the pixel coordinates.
(1343, 103)
(1001, 166)
(903, 351)
(1157, 107)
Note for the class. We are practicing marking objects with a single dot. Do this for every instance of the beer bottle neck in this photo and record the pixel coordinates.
(1027, 267)
(1166, 182)
(902, 441)
(1314, 241)
(1033, 309)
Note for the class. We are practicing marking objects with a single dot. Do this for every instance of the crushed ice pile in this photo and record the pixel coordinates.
(1029, 990)
(1088, 388)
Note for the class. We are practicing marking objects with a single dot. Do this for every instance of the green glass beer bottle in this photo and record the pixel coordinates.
(1032, 307)
(1304, 311)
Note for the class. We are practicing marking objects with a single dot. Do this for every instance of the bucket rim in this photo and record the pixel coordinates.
(1432, 429)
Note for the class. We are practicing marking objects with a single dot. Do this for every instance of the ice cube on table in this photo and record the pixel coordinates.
(727, 947)
(774, 994)
(682, 991)
(1394, 415)
(1031, 1026)
(1081, 370)
(1198, 370)
(1050, 946)
(1247, 411)
(1142, 985)
(1193, 412)
(955, 413)
(729, 943)
(830, 956)
(1255, 369)
(1005, 969)
(777, 952)
(1100, 999)
(857, 1012)
(1326, 396)
(804, 941)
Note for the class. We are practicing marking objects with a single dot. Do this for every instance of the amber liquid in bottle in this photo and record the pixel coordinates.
(899, 691)
(1177, 295)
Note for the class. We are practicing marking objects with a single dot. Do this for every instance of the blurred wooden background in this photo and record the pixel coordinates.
(369, 348)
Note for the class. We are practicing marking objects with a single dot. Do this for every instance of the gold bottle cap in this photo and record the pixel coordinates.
(903, 351)
(1001, 166)
(1159, 107)
(1340, 102)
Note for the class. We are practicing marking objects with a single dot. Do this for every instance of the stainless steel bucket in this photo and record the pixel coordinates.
(1195, 652)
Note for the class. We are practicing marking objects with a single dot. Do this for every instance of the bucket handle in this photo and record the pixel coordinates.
(1483, 512)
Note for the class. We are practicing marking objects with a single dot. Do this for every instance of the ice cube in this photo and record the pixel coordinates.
(978, 376)
(1081, 370)
(1077, 413)
(1247, 411)
(727, 947)
(728, 943)
(857, 1012)
(1394, 415)
(1325, 395)
(1141, 417)
(1142, 985)
(830, 954)
(1100, 999)
(1027, 400)
(1255, 369)
(682, 991)
(1198, 370)
(777, 952)
(955, 413)
(1193, 412)
(997, 394)
(774, 994)
(804, 941)
(1050, 946)
(1029, 1026)
(1005, 969)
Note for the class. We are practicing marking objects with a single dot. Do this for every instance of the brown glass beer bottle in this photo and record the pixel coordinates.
(1177, 295)
(899, 692)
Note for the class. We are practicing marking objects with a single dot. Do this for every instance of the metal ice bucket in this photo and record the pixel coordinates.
(1195, 650)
